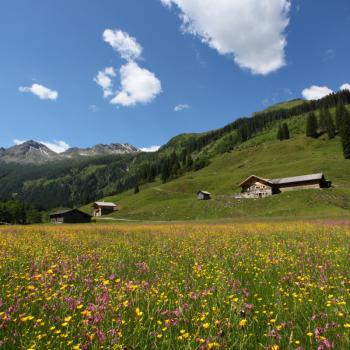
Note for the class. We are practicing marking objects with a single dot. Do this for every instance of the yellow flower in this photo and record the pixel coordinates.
(275, 347)
(67, 319)
(243, 323)
(138, 312)
(347, 325)
(309, 334)
(206, 325)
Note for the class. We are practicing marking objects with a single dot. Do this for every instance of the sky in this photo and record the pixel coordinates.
(78, 73)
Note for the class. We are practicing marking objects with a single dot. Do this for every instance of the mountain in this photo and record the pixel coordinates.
(216, 161)
(33, 152)
(100, 149)
(27, 152)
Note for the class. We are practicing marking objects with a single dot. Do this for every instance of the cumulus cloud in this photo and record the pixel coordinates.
(251, 31)
(43, 92)
(316, 92)
(150, 149)
(56, 146)
(345, 86)
(123, 43)
(104, 79)
(138, 85)
(181, 107)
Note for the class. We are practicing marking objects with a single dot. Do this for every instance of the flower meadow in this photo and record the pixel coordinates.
(187, 286)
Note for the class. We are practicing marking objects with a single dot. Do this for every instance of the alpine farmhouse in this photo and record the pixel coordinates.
(258, 187)
(103, 208)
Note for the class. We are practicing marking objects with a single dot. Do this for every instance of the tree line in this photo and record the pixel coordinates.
(325, 125)
(19, 213)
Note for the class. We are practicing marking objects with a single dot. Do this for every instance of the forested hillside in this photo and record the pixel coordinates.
(80, 181)
(284, 147)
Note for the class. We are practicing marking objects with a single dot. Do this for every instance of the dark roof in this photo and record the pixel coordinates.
(64, 212)
(287, 180)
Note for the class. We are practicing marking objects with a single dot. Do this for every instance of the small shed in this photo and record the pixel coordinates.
(203, 195)
(103, 208)
(71, 216)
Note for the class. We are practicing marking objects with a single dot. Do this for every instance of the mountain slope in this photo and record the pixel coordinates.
(262, 155)
(77, 179)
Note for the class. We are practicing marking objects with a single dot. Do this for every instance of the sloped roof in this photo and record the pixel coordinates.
(257, 177)
(67, 212)
(105, 204)
(204, 192)
(302, 178)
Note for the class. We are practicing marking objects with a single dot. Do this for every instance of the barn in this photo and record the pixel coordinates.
(258, 187)
(71, 216)
(103, 208)
(203, 195)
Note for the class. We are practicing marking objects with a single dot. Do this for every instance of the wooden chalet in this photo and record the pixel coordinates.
(71, 216)
(203, 195)
(258, 187)
(103, 208)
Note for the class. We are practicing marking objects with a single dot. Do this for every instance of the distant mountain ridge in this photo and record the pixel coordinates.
(35, 152)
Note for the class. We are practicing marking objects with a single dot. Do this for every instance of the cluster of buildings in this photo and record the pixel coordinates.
(252, 187)
(74, 216)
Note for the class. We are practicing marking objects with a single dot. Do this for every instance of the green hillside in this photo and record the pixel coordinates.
(261, 155)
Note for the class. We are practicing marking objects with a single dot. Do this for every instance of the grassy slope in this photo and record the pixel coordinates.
(264, 156)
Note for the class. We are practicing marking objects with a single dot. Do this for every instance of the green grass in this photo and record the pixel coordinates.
(177, 200)
(262, 155)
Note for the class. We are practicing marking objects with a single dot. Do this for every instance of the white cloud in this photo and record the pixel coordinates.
(138, 85)
(150, 149)
(56, 146)
(345, 86)
(104, 79)
(181, 107)
(252, 31)
(41, 91)
(316, 92)
(123, 43)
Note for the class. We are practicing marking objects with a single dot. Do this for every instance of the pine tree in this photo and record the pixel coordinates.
(339, 116)
(330, 128)
(345, 133)
(280, 133)
(323, 120)
(136, 189)
(285, 131)
(152, 173)
(165, 171)
(311, 125)
(189, 162)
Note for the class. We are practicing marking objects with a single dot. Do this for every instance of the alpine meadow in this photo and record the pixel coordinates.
(175, 174)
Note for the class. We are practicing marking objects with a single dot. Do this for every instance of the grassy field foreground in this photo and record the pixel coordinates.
(247, 286)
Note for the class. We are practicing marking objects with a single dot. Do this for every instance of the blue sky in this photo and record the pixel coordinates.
(226, 61)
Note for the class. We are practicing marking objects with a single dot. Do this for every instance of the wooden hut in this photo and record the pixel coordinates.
(203, 195)
(71, 216)
(103, 208)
